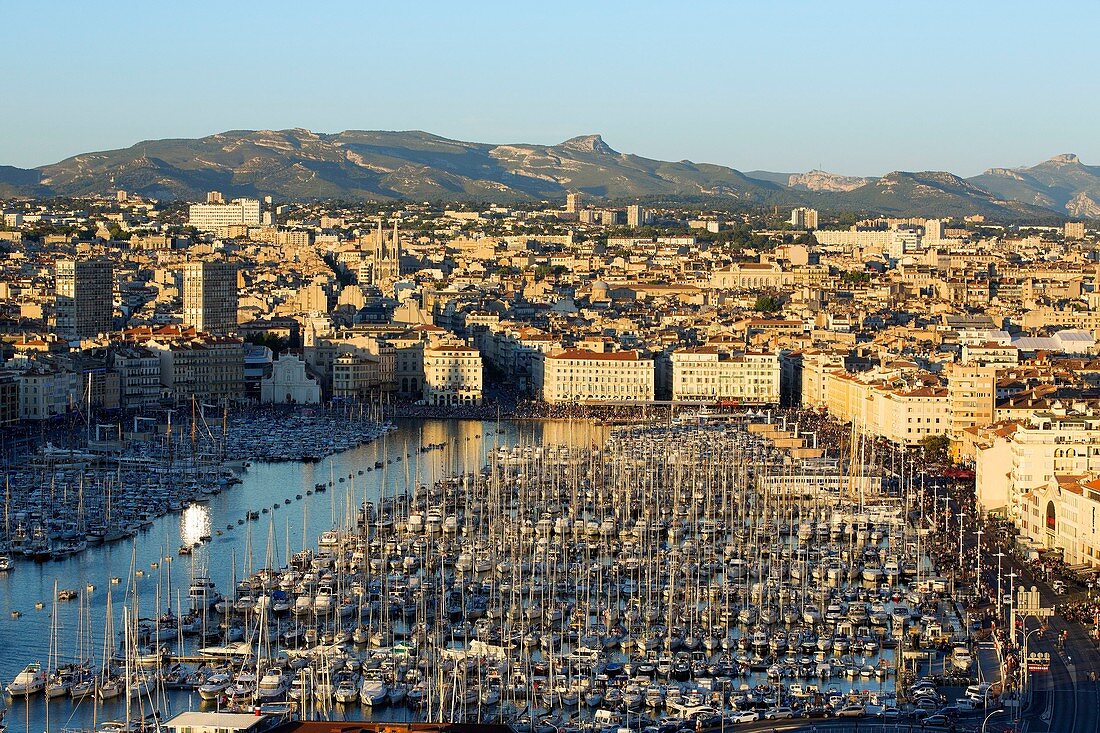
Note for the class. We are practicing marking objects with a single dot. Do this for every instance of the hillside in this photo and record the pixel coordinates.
(1063, 184)
(299, 164)
(930, 193)
(359, 164)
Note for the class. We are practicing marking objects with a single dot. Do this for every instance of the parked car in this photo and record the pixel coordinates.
(778, 713)
(745, 716)
(851, 711)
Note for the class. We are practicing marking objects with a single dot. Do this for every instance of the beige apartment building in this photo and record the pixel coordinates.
(46, 391)
(972, 391)
(139, 376)
(210, 369)
(708, 374)
(212, 216)
(901, 414)
(581, 375)
(355, 376)
(452, 375)
(816, 366)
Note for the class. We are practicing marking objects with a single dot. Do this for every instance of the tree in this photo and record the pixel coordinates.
(277, 344)
(767, 304)
(935, 448)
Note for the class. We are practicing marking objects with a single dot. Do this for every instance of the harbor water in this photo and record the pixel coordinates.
(291, 516)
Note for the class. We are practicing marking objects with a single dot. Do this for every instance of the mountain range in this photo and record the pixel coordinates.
(299, 164)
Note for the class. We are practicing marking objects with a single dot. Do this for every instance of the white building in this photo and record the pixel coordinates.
(804, 218)
(1063, 515)
(1019, 463)
(580, 375)
(208, 217)
(452, 375)
(289, 383)
(706, 374)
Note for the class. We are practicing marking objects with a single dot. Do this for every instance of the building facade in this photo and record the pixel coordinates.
(452, 375)
(289, 384)
(581, 375)
(708, 374)
(210, 297)
(213, 216)
(210, 368)
(84, 298)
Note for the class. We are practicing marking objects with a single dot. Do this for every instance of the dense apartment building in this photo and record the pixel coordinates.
(209, 368)
(9, 398)
(213, 216)
(1031, 471)
(972, 393)
(803, 218)
(355, 376)
(709, 374)
(138, 371)
(47, 391)
(902, 413)
(582, 375)
(453, 375)
(210, 297)
(84, 305)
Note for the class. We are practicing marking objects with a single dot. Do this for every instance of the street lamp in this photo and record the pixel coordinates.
(1026, 672)
(1012, 607)
(980, 532)
(995, 712)
(961, 541)
(1000, 610)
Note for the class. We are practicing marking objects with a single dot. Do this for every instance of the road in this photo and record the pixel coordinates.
(1064, 699)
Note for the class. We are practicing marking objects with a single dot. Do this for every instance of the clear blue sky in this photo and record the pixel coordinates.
(852, 87)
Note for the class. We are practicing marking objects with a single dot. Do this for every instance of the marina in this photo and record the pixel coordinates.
(544, 575)
(112, 483)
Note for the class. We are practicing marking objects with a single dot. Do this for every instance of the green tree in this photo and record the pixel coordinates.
(767, 304)
(935, 448)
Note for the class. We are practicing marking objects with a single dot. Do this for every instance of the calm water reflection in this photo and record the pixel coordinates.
(151, 562)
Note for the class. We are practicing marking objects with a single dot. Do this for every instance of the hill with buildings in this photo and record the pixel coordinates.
(299, 164)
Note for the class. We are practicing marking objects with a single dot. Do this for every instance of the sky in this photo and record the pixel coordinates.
(858, 88)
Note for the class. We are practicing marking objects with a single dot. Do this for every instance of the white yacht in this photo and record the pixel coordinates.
(214, 686)
(272, 686)
(30, 681)
(373, 692)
